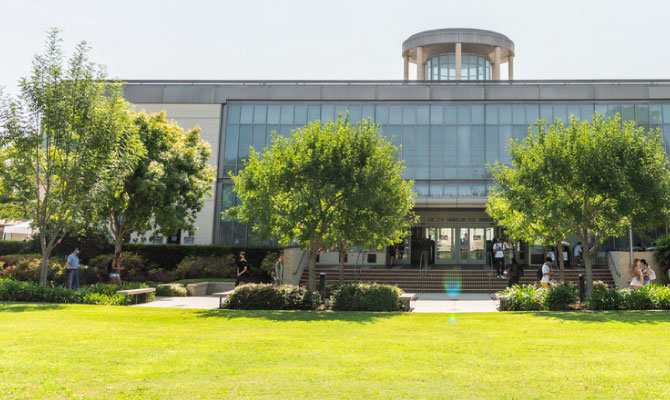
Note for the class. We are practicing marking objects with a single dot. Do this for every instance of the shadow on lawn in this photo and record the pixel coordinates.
(23, 307)
(624, 317)
(307, 316)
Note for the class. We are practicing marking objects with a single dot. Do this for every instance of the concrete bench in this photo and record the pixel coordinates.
(405, 300)
(222, 296)
(134, 292)
(502, 300)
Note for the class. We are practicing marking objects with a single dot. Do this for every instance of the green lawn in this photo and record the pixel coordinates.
(77, 351)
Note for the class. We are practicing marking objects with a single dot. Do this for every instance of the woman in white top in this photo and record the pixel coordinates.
(636, 275)
(546, 273)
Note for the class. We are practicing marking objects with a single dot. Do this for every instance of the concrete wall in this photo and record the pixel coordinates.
(295, 262)
(619, 264)
(208, 117)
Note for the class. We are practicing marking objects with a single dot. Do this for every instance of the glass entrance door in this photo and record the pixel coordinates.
(445, 246)
(472, 244)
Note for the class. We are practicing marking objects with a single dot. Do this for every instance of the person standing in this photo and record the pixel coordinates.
(546, 272)
(115, 269)
(72, 270)
(242, 269)
(278, 271)
(499, 258)
(577, 253)
(391, 251)
(425, 250)
(513, 273)
(648, 273)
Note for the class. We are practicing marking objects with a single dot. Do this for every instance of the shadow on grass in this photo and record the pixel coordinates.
(307, 316)
(624, 317)
(22, 307)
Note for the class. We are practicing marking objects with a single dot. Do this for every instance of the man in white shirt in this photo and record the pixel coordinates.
(577, 253)
(546, 272)
(499, 258)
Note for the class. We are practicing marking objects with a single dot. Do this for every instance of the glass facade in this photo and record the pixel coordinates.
(445, 145)
(443, 68)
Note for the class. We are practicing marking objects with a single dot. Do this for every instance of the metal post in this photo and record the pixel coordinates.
(322, 285)
(582, 288)
(630, 243)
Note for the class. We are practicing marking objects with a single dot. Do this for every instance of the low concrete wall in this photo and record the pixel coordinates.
(295, 262)
(207, 288)
(619, 264)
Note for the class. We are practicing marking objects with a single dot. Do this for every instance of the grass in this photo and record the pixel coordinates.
(198, 280)
(78, 351)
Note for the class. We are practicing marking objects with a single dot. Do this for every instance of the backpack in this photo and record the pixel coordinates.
(539, 273)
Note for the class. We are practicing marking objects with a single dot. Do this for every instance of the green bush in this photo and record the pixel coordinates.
(523, 298)
(27, 267)
(12, 247)
(268, 263)
(171, 290)
(13, 290)
(604, 298)
(662, 257)
(366, 297)
(269, 297)
(205, 267)
(560, 297)
(136, 268)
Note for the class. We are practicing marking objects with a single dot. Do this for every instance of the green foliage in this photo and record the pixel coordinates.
(200, 267)
(11, 247)
(560, 297)
(604, 298)
(326, 183)
(13, 290)
(269, 297)
(269, 261)
(524, 298)
(366, 297)
(662, 256)
(171, 290)
(593, 179)
(136, 267)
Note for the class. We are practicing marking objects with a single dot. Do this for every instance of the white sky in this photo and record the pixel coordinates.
(342, 39)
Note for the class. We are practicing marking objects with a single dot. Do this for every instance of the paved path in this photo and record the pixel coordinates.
(426, 302)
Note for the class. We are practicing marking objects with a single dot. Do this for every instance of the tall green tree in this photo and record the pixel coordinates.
(166, 187)
(593, 179)
(63, 135)
(325, 184)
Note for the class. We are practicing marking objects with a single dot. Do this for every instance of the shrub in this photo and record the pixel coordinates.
(646, 298)
(13, 290)
(523, 298)
(560, 297)
(171, 290)
(299, 298)
(27, 267)
(268, 263)
(604, 298)
(136, 268)
(205, 267)
(662, 257)
(269, 297)
(366, 297)
(11, 247)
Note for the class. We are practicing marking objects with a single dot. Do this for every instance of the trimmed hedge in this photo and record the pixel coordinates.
(269, 297)
(171, 290)
(13, 290)
(12, 247)
(366, 297)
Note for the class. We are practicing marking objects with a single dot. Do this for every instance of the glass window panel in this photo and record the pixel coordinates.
(504, 136)
(382, 114)
(627, 112)
(451, 190)
(409, 115)
(286, 114)
(269, 133)
(395, 115)
(436, 189)
(230, 147)
(491, 144)
(547, 112)
(247, 114)
(422, 115)
(436, 173)
(422, 173)
(464, 115)
(532, 113)
(505, 115)
(613, 110)
(313, 113)
(273, 114)
(519, 132)
(463, 155)
(244, 141)
(642, 113)
(285, 130)
(354, 113)
(666, 113)
(436, 115)
(408, 173)
(327, 112)
(423, 147)
(518, 114)
(465, 189)
(409, 145)
(586, 110)
(491, 114)
(666, 136)
(258, 140)
(450, 115)
(655, 114)
(259, 113)
(233, 114)
(601, 109)
(450, 145)
(395, 132)
(340, 109)
(478, 145)
(479, 190)
(300, 115)
(573, 109)
(436, 147)
(422, 188)
(444, 73)
(368, 112)
(561, 112)
(477, 114)
(464, 173)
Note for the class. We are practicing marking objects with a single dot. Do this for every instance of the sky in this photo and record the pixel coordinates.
(333, 40)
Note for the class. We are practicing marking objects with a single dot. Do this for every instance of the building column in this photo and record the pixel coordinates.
(405, 73)
(496, 60)
(458, 61)
(420, 65)
(510, 67)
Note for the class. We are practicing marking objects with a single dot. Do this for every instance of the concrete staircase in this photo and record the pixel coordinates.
(443, 280)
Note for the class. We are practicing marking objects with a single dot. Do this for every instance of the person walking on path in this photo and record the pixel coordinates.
(72, 270)
(513, 273)
(499, 258)
(242, 269)
(546, 272)
(648, 273)
(278, 271)
(636, 275)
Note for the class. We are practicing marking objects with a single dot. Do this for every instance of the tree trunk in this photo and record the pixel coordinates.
(342, 250)
(45, 258)
(588, 265)
(561, 262)
(118, 242)
(313, 252)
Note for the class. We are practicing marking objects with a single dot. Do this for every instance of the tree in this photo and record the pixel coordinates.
(593, 179)
(326, 184)
(64, 134)
(166, 187)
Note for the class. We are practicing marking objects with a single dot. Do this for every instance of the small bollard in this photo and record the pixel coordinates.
(582, 288)
(322, 285)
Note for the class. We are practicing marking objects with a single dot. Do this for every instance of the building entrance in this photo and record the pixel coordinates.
(462, 245)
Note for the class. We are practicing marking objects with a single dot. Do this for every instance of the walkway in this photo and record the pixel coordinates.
(426, 303)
